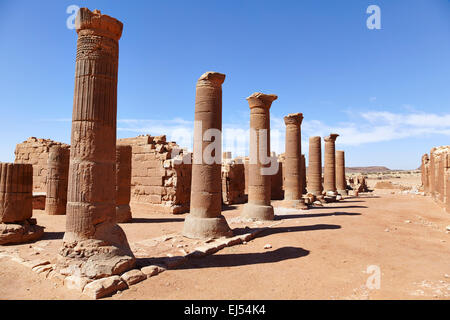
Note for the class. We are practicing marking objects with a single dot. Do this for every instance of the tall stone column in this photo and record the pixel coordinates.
(304, 174)
(94, 245)
(341, 183)
(205, 219)
(123, 183)
(293, 188)
(315, 167)
(16, 209)
(57, 180)
(259, 187)
(329, 174)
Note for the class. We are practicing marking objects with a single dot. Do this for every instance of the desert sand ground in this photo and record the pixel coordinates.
(322, 253)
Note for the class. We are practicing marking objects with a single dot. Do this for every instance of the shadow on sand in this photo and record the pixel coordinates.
(311, 215)
(243, 259)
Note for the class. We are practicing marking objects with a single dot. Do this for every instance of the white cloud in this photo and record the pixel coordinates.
(364, 127)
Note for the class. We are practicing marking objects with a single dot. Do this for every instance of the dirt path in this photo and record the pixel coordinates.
(322, 253)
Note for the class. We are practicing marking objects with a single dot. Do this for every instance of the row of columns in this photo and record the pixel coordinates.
(94, 245)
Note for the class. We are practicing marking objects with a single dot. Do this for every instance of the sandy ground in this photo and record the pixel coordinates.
(322, 253)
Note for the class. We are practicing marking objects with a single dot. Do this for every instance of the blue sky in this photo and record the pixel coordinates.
(385, 91)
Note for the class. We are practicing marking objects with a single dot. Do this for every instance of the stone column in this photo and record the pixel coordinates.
(315, 167)
(94, 245)
(259, 186)
(329, 174)
(123, 183)
(304, 174)
(293, 188)
(16, 209)
(57, 180)
(341, 184)
(205, 219)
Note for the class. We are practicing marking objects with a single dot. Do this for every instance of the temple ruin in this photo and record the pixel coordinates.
(435, 173)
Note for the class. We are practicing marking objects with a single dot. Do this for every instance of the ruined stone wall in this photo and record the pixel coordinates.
(35, 152)
(157, 180)
(233, 182)
(425, 173)
(436, 175)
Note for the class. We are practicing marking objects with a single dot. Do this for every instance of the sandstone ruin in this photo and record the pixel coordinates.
(258, 206)
(233, 177)
(341, 182)
(315, 167)
(57, 180)
(293, 181)
(435, 172)
(94, 245)
(16, 222)
(205, 219)
(329, 174)
(123, 183)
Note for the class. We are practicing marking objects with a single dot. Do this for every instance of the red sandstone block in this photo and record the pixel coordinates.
(149, 181)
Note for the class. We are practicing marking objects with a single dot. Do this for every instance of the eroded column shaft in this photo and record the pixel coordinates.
(341, 184)
(16, 192)
(315, 166)
(94, 245)
(123, 183)
(259, 187)
(329, 175)
(57, 180)
(205, 218)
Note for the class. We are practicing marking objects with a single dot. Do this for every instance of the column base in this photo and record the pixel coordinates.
(105, 254)
(257, 212)
(331, 193)
(123, 213)
(20, 232)
(205, 228)
(343, 192)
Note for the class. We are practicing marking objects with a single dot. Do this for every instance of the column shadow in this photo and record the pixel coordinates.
(296, 216)
(243, 259)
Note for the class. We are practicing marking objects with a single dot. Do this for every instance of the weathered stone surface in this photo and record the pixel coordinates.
(16, 183)
(133, 276)
(205, 219)
(329, 175)
(57, 180)
(315, 167)
(94, 245)
(35, 152)
(160, 180)
(123, 183)
(435, 171)
(293, 179)
(76, 283)
(341, 182)
(151, 271)
(233, 186)
(259, 186)
(104, 287)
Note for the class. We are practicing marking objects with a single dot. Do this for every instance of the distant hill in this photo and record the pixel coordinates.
(366, 169)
